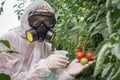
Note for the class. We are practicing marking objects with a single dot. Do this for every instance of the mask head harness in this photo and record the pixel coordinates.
(41, 24)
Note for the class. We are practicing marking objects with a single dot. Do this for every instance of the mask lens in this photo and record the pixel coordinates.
(36, 17)
(36, 20)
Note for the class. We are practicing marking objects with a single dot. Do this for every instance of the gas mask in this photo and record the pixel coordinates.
(41, 24)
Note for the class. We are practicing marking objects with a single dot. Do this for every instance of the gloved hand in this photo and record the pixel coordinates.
(55, 61)
(75, 67)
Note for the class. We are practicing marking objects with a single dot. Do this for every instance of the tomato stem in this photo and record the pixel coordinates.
(108, 17)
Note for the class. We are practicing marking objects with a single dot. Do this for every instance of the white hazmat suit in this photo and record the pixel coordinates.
(29, 63)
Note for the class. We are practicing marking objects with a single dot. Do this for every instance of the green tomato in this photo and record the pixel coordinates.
(84, 61)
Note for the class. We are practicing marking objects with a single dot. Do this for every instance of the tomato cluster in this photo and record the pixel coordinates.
(84, 58)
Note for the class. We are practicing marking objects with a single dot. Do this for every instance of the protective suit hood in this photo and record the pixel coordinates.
(37, 4)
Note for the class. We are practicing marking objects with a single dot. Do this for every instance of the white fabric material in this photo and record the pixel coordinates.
(38, 70)
(29, 63)
(56, 61)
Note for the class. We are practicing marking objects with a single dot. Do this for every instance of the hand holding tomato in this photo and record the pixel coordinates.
(81, 62)
(75, 67)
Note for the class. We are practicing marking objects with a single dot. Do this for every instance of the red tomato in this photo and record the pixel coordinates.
(80, 55)
(89, 56)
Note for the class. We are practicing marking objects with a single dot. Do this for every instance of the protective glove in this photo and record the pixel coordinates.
(75, 67)
(55, 61)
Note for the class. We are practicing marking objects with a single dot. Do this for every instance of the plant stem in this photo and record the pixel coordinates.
(109, 22)
(108, 17)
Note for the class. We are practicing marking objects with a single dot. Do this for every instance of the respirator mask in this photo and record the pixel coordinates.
(41, 24)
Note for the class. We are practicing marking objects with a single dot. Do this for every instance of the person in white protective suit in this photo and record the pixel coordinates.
(35, 60)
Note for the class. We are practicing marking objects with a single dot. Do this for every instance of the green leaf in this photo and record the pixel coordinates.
(75, 28)
(116, 76)
(21, 4)
(106, 69)
(101, 51)
(112, 73)
(9, 51)
(98, 14)
(14, 5)
(1, 9)
(115, 1)
(19, 17)
(116, 50)
(5, 42)
(4, 77)
(115, 38)
(93, 26)
(108, 4)
(105, 33)
(98, 49)
(3, 3)
(118, 6)
(117, 24)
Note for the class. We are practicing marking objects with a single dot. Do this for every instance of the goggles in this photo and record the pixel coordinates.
(35, 18)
